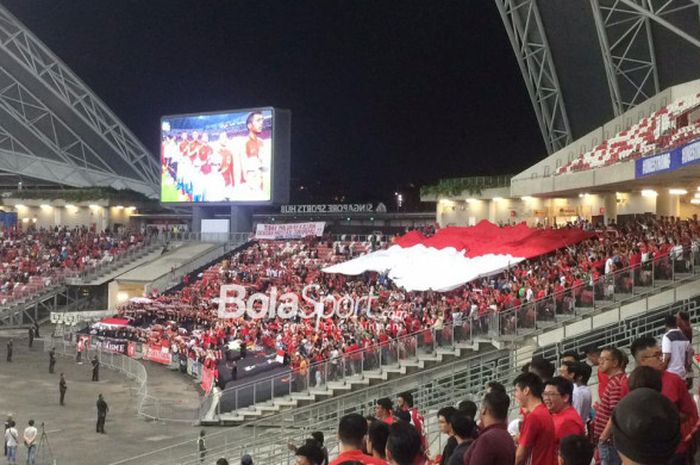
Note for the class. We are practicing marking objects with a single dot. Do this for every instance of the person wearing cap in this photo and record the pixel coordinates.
(646, 428)
(246, 460)
(384, 410)
(537, 441)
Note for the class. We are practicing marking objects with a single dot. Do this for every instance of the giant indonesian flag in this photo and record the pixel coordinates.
(456, 255)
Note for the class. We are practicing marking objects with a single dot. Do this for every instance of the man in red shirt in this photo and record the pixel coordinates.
(646, 352)
(384, 410)
(351, 434)
(537, 442)
(611, 363)
(558, 393)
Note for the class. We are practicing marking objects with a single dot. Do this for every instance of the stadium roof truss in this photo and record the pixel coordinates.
(624, 30)
(52, 126)
(527, 37)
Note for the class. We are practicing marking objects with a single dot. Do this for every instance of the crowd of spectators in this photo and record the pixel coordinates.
(645, 418)
(187, 321)
(33, 258)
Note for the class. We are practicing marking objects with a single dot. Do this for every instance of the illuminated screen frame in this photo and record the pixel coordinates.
(280, 135)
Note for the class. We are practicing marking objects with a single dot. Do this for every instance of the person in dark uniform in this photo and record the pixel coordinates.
(243, 350)
(9, 351)
(31, 336)
(36, 331)
(95, 369)
(62, 388)
(102, 409)
(52, 359)
(234, 371)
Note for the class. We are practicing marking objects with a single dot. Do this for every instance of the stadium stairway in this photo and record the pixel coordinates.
(266, 438)
(615, 302)
(107, 272)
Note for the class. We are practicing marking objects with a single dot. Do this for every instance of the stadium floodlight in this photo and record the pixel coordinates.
(649, 193)
(677, 191)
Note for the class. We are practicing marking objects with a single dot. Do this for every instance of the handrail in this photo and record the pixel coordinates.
(292, 422)
(350, 358)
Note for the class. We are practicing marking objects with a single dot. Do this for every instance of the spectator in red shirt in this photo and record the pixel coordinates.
(537, 442)
(611, 363)
(558, 393)
(494, 446)
(647, 353)
(384, 410)
(351, 434)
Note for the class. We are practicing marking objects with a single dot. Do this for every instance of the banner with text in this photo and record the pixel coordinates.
(668, 161)
(157, 354)
(289, 230)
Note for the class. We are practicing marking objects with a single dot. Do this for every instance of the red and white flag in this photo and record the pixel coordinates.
(457, 255)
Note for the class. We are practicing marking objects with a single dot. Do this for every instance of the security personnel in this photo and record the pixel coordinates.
(62, 388)
(9, 351)
(102, 409)
(95, 369)
(52, 359)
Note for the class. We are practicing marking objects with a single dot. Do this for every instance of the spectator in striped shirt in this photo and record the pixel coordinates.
(611, 363)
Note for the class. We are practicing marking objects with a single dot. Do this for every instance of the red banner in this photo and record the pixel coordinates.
(158, 354)
(207, 379)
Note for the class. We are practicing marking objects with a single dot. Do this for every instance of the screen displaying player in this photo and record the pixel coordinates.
(222, 157)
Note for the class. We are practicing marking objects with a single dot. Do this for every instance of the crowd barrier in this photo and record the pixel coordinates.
(147, 405)
(590, 295)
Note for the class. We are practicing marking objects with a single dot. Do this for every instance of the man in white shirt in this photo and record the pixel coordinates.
(11, 440)
(676, 349)
(30, 434)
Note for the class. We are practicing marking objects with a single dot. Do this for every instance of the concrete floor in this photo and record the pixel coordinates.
(27, 390)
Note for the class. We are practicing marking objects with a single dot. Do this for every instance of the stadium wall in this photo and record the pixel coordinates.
(51, 213)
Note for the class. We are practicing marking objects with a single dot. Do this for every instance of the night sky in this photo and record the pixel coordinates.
(384, 94)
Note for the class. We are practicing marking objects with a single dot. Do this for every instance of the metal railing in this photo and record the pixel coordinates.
(147, 405)
(205, 237)
(445, 384)
(528, 318)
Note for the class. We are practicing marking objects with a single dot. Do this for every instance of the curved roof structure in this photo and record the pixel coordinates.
(586, 62)
(52, 126)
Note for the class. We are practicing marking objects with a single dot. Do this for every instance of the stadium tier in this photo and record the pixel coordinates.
(669, 127)
(186, 324)
(33, 259)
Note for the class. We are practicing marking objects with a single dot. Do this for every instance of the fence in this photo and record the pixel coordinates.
(147, 405)
(433, 388)
(509, 324)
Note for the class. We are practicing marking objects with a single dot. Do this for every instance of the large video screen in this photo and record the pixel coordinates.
(224, 157)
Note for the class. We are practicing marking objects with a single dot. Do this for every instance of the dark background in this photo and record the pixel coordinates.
(385, 95)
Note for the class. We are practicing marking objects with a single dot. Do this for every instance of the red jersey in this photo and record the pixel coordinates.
(566, 423)
(615, 390)
(675, 390)
(538, 435)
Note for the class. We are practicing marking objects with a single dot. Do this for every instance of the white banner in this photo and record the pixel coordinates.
(73, 318)
(289, 230)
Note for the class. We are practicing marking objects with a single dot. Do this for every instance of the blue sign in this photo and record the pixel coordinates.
(668, 161)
